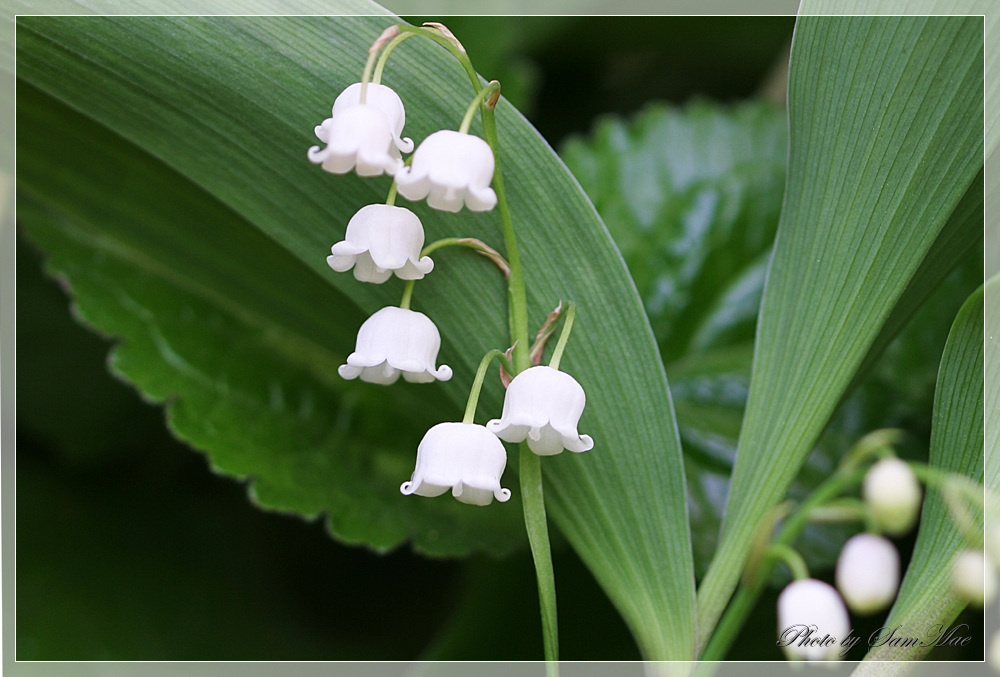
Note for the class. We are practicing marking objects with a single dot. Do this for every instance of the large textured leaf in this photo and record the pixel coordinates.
(925, 599)
(229, 106)
(885, 137)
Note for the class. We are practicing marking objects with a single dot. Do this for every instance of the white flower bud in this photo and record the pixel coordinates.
(893, 494)
(812, 621)
(973, 578)
(868, 573)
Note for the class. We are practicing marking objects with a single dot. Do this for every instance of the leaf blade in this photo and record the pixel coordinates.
(274, 79)
(877, 130)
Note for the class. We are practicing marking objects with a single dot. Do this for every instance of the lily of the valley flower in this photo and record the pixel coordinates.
(366, 136)
(383, 98)
(394, 341)
(543, 406)
(382, 240)
(809, 604)
(463, 457)
(868, 573)
(450, 169)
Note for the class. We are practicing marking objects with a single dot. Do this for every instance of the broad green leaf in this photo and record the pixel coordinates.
(925, 598)
(733, 159)
(228, 105)
(885, 133)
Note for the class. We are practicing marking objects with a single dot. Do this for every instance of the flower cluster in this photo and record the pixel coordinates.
(867, 573)
(451, 170)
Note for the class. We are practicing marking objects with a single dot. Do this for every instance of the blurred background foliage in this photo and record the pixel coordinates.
(128, 549)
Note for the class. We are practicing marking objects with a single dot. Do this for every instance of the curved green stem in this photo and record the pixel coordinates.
(390, 199)
(746, 596)
(481, 96)
(458, 53)
(407, 294)
(477, 384)
(845, 510)
(792, 559)
(391, 45)
(563, 335)
(472, 243)
(532, 499)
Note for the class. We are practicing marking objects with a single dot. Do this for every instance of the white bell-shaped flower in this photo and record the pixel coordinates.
(812, 621)
(973, 578)
(868, 573)
(450, 168)
(393, 341)
(893, 495)
(357, 137)
(381, 97)
(382, 240)
(464, 457)
(543, 406)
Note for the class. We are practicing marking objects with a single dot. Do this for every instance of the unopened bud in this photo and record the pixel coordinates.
(893, 494)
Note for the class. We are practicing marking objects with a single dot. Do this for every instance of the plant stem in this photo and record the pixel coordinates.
(391, 45)
(563, 336)
(480, 97)
(390, 199)
(748, 593)
(792, 559)
(517, 302)
(407, 295)
(477, 385)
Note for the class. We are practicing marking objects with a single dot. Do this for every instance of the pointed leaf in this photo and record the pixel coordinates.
(925, 598)
(885, 138)
(229, 104)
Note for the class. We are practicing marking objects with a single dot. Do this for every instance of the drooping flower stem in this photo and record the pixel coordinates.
(563, 335)
(477, 384)
(517, 302)
(373, 51)
(407, 294)
(380, 66)
(481, 96)
(792, 559)
(472, 243)
(390, 199)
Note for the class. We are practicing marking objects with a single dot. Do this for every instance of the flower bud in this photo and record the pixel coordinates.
(868, 573)
(973, 578)
(812, 621)
(893, 494)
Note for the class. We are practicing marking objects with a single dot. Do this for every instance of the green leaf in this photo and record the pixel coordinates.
(713, 260)
(925, 598)
(885, 139)
(230, 313)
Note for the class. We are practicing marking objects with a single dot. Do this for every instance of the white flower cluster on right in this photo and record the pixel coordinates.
(867, 573)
